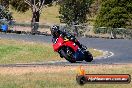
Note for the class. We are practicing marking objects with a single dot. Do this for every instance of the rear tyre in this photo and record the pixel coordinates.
(67, 57)
(88, 56)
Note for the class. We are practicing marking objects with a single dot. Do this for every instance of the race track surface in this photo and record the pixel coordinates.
(122, 49)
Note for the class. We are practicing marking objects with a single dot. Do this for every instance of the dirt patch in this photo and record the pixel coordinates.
(57, 69)
(28, 29)
(24, 70)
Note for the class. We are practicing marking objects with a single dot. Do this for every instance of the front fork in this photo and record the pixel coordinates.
(68, 52)
(60, 54)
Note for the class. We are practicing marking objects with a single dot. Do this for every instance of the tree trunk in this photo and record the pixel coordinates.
(75, 30)
(35, 22)
(75, 24)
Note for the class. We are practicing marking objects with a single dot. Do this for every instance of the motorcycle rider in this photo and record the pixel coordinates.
(56, 32)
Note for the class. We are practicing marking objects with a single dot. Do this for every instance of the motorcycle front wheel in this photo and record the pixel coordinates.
(67, 57)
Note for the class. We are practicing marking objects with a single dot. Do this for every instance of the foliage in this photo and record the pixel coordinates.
(114, 14)
(21, 6)
(5, 3)
(74, 11)
(5, 14)
(35, 5)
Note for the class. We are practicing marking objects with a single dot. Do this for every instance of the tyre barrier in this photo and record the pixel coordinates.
(24, 32)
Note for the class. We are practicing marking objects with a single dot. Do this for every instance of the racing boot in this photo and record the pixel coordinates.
(82, 47)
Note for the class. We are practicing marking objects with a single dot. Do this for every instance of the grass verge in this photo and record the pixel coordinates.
(58, 77)
(12, 51)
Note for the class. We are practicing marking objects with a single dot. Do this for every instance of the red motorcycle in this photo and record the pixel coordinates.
(70, 51)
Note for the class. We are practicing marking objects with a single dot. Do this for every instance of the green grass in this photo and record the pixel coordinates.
(62, 79)
(12, 51)
(95, 53)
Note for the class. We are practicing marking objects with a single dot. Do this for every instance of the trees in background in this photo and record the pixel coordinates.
(5, 3)
(5, 14)
(110, 13)
(24, 5)
(113, 17)
(19, 5)
(36, 6)
(74, 12)
(114, 14)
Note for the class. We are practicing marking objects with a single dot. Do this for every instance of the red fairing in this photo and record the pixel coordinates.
(60, 42)
(72, 45)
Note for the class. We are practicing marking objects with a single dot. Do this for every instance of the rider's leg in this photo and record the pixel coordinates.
(79, 44)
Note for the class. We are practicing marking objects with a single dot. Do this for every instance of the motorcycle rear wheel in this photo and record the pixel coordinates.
(67, 57)
(88, 56)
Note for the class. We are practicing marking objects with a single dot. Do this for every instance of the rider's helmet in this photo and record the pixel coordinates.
(55, 30)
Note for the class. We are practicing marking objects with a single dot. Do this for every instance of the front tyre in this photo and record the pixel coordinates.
(67, 57)
(88, 56)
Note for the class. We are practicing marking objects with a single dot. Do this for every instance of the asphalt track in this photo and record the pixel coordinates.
(121, 48)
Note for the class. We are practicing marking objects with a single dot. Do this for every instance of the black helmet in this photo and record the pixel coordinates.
(55, 30)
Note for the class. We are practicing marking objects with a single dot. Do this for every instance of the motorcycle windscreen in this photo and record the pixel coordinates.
(58, 43)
